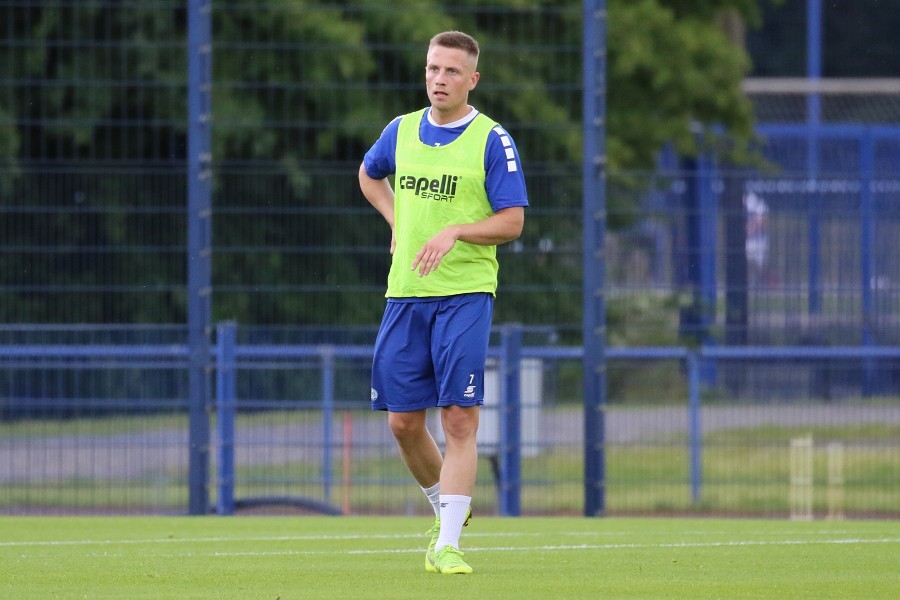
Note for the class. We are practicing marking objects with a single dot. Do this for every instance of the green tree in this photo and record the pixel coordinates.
(672, 69)
(301, 89)
(92, 119)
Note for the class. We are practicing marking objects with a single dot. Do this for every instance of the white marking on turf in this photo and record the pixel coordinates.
(543, 548)
(216, 540)
(736, 543)
(733, 543)
(397, 536)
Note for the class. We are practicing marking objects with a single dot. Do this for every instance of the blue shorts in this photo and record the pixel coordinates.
(431, 352)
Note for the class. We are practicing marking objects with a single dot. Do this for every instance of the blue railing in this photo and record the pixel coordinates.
(229, 357)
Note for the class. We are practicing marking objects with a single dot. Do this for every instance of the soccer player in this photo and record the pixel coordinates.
(459, 193)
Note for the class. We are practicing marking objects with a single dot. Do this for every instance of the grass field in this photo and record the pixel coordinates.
(281, 558)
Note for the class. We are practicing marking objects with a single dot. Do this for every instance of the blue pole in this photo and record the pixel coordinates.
(867, 253)
(510, 422)
(694, 426)
(702, 217)
(813, 122)
(593, 263)
(226, 405)
(708, 207)
(867, 233)
(327, 418)
(814, 57)
(199, 251)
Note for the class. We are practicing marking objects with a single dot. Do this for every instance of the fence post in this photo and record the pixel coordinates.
(813, 128)
(199, 250)
(867, 256)
(327, 417)
(593, 175)
(695, 441)
(510, 421)
(226, 406)
(702, 198)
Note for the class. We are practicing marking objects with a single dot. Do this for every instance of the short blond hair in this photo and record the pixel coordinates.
(456, 39)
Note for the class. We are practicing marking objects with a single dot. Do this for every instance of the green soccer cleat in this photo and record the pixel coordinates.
(449, 561)
(435, 533)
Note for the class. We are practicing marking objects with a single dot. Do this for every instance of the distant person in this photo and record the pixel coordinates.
(757, 238)
(459, 193)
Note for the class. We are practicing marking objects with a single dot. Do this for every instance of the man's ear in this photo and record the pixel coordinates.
(475, 77)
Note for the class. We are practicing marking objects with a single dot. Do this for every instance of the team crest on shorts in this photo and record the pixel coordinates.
(374, 394)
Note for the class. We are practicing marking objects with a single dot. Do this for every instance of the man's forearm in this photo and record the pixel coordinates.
(501, 227)
(379, 194)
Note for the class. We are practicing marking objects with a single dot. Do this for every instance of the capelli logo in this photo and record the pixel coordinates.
(440, 190)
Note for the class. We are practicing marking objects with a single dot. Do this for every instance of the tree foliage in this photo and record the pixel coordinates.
(301, 90)
(670, 66)
(672, 74)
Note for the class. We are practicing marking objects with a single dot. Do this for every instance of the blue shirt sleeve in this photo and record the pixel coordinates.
(379, 161)
(504, 181)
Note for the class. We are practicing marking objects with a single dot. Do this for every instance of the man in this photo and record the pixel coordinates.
(459, 193)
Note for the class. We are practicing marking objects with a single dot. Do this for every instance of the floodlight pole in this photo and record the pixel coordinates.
(199, 251)
(594, 262)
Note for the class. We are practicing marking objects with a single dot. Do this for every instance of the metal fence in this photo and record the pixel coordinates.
(94, 420)
(747, 310)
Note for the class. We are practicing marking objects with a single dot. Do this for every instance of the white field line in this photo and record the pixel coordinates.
(218, 540)
(539, 548)
(738, 543)
(357, 537)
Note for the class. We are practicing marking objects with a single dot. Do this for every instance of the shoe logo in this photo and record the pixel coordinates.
(443, 505)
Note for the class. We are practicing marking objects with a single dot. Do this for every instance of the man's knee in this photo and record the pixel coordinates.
(406, 425)
(459, 422)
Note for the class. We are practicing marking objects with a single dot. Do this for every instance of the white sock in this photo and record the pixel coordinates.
(454, 510)
(434, 496)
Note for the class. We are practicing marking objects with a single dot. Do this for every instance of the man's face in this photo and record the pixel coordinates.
(449, 77)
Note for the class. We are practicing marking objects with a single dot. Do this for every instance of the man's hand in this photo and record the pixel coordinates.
(429, 257)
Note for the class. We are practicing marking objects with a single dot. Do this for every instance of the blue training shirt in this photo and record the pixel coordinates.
(504, 181)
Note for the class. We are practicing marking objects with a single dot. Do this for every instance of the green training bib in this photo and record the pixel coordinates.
(437, 186)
